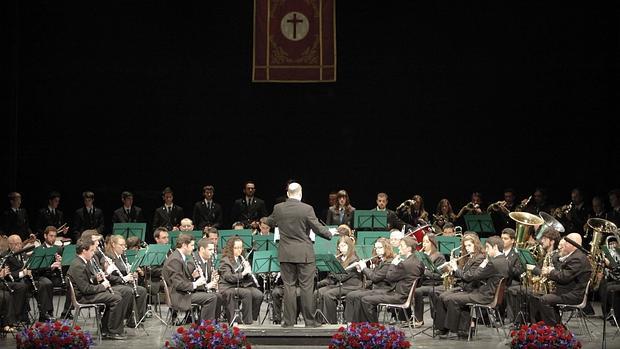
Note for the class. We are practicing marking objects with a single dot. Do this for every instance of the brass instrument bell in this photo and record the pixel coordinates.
(549, 222)
(526, 225)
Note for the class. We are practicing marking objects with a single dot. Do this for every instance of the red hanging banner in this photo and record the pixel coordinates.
(294, 41)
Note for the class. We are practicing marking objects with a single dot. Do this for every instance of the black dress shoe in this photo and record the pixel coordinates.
(441, 332)
(287, 326)
(314, 325)
(67, 315)
(46, 317)
(115, 336)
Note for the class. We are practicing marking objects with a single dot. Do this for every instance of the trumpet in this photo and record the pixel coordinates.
(496, 206)
(523, 205)
(563, 211)
(407, 203)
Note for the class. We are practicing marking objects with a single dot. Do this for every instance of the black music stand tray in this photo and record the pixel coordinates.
(370, 220)
(431, 266)
(480, 223)
(266, 263)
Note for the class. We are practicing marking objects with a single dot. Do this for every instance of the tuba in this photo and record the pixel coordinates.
(599, 228)
(549, 222)
(526, 225)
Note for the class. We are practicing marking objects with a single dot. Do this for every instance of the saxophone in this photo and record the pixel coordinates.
(542, 284)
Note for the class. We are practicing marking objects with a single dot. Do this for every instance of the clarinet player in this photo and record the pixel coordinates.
(92, 287)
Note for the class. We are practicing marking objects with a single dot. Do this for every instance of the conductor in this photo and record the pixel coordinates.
(295, 219)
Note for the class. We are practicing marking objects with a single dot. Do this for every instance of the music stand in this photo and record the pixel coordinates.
(68, 255)
(423, 257)
(525, 257)
(445, 244)
(370, 237)
(480, 223)
(370, 220)
(324, 246)
(266, 263)
(129, 229)
(328, 263)
(153, 255)
(244, 234)
(264, 243)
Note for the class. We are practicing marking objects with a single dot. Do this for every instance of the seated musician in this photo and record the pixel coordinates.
(180, 279)
(152, 274)
(489, 273)
(13, 298)
(571, 278)
(515, 296)
(430, 278)
(204, 257)
(514, 263)
(42, 288)
(403, 271)
(91, 287)
(55, 272)
(115, 250)
(380, 263)
(237, 282)
(470, 259)
(610, 286)
(335, 286)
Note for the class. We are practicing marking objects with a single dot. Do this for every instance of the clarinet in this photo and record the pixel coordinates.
(199, 268)
(251, 273)
(62, 277)
(35, 289)
(4, 282)
(110, 263)
(100, 272)
(128, 268)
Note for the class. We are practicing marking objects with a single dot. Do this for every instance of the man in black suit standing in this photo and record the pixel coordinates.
(14, 220)
(208, 213)
(128, 213)
(295, 219)
(169, 215)
(91, 287)
(249, 209)
(87, 217)
(51, 215)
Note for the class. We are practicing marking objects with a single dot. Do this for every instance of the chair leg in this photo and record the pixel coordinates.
(98, 320)
(169, 320)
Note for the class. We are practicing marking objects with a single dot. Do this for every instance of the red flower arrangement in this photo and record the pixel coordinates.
(209, 334)
(365, 335)
(539, 335)
(58, 335)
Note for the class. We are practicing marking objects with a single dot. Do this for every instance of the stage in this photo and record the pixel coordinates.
(274, 336)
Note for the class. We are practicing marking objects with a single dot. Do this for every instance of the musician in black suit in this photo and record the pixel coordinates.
(335, 286)
(19, 273)
(405, 269)
(342, 212)
(87, 217)
(237, 280)
(392, 219)
(15, 297)
(91, 287)
(471, 257)
(489, 273)
(208, 213)
(430, 278)
(204, 261)
(183, 280)
(115, 251)
(152, 274)
(249, 209)
(169, 215)
(51, 215)
(514, 264)
(14, 220)
(376, 275)
(128, 213)
(571, 279)
(294, 220)
(56, 271)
